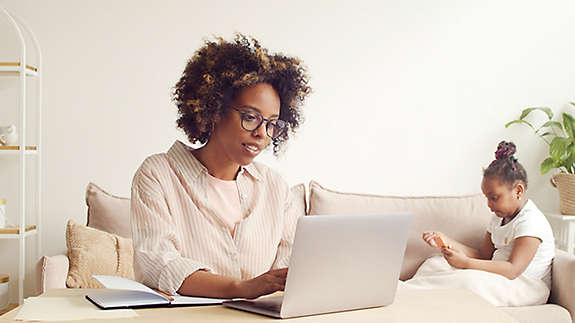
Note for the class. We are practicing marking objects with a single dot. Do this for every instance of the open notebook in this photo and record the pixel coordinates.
(125, 293)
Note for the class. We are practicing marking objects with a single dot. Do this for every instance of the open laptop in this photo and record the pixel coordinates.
(338, 263)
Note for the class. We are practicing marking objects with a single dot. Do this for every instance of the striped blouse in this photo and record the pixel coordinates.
(176, 231)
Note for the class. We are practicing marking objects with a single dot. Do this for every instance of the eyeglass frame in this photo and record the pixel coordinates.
(244, 112)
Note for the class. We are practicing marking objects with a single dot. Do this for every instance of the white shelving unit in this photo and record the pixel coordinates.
(21, 70)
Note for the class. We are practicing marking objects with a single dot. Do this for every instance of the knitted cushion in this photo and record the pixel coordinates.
(92, 251)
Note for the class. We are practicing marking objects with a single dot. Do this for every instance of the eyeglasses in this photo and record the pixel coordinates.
(252, 120)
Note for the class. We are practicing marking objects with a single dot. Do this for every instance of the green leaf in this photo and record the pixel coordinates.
(559, 149)
(519, 121)
(546, 134)
(547, 111)
(569, 124)
(547, 165)
(553, 124)
(572, 103)
(570, 164)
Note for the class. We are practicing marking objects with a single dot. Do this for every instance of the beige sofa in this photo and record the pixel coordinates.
(461, 217)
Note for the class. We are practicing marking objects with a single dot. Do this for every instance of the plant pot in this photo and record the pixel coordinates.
(565, 184)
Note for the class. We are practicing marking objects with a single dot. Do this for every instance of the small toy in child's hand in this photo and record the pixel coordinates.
(439, 242)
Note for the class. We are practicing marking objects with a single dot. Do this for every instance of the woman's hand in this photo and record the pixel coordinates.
(456, 258)
(266, 283)
(435, 238)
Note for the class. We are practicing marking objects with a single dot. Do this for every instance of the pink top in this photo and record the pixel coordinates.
(177, 228)
(224, 197)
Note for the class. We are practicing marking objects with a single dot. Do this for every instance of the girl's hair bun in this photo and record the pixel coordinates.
(505, 150)
(505, 166)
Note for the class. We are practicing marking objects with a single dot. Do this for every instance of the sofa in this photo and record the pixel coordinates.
(461, 217)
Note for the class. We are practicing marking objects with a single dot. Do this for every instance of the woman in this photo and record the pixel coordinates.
(209, 221)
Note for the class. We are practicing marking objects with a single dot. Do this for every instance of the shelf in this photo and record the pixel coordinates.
(13, 232)
(13, 68)
(8, 230)
(25, 74)
(8, 309)
(14, 150)
(17, 148)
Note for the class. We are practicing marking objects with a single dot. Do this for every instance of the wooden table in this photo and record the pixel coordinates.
(429, 306)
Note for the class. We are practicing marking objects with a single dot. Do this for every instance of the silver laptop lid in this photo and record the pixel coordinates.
(344, 262)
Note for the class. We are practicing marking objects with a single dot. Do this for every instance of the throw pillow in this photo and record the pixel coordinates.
(92, 251)
(108, 212)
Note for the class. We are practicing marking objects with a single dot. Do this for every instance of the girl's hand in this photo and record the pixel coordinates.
(436, 239)
(266, 283)
(455, 258)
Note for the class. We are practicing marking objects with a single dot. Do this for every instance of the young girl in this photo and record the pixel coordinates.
(513, 265)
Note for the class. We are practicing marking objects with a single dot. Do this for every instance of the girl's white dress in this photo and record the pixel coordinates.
(531, 288)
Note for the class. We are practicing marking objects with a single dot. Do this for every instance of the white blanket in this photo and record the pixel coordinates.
(436, 273)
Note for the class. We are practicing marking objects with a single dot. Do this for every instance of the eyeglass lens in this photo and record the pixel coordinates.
(252, 120)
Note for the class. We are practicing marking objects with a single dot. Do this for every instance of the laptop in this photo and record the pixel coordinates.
(338, 263)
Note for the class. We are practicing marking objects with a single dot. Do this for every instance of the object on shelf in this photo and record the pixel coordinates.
(2, 213)
(16, 230)
(565, 184)
(8, 136)
(4, 295)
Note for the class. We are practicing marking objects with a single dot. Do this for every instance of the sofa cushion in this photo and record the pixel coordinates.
(108, 212)
(463, 218)
(540, 313)
(91, 251)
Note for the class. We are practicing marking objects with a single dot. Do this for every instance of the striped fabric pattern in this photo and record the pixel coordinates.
(176, 230)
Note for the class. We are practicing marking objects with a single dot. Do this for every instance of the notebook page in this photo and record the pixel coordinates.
(116, 282)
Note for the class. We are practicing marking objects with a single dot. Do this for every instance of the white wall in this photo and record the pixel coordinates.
(410, 97)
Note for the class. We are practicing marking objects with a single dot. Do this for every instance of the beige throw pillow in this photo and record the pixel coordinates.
(92, 251)
(108, 212)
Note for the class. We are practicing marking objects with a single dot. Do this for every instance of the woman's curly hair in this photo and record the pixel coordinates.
(220, 69)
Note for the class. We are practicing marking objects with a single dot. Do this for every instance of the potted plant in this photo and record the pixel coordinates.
(561, 140)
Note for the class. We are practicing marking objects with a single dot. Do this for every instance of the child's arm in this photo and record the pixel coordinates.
(524, 250)
(487, 248)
